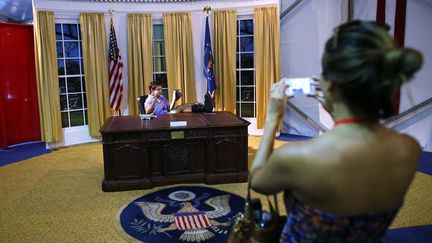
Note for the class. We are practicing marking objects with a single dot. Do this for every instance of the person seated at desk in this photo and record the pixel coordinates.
(156, 103)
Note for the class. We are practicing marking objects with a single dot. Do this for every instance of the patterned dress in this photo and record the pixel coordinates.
(307, 224)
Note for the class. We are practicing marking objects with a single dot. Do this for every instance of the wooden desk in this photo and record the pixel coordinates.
(141, 154)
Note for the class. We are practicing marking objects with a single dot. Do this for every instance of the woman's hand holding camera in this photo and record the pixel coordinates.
(277, 100)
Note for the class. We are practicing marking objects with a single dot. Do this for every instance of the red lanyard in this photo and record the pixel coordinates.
(354, 120)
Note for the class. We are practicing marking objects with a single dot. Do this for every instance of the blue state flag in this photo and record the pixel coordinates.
(208, 62)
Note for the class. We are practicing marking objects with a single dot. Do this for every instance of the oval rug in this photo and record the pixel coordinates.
(180, 214)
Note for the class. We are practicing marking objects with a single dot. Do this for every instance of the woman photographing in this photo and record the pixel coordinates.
(348, 184)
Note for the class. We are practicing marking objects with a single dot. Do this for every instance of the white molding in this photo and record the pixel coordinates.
(129, 7)
(73, 136)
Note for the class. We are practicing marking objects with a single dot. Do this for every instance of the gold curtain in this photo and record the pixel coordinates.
(95, 54)
(47, 77)
(267, 56)
(225, 36)
(179, 55)
(140, 58)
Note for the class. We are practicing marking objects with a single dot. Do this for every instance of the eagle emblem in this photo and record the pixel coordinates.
(197, 225)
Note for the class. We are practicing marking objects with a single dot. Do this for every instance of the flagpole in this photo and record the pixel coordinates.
(111, 13)
(207, 9)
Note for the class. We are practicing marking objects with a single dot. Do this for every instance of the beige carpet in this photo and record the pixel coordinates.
(57, 197)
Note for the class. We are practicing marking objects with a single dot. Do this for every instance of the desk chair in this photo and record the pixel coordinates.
(141, 101)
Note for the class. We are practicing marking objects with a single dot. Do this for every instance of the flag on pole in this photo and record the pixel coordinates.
(208, 62)
(115, 72)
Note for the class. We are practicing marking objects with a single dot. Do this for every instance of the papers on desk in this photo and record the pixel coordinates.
(178, 124)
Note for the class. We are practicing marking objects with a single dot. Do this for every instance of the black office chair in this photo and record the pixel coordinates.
(141, 101)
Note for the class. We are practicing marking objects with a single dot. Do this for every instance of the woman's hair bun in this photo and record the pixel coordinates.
(404, 61)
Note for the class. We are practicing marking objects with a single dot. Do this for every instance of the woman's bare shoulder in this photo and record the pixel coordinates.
(299, 155)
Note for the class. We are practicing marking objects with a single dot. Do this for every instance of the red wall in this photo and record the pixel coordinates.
(19, 113)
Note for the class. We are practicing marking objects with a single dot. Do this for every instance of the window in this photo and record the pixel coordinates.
(73, 103)
(246, 102)
(159, 64)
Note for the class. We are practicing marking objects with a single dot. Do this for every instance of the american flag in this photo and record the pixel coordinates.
(191, 220)
(115, 74)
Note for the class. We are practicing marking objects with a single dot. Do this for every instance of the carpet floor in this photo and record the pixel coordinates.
(57, 197)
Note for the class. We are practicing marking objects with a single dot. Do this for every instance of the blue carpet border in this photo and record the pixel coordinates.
(415, 234)
(22, 152)
(292, 137)
(425, 163)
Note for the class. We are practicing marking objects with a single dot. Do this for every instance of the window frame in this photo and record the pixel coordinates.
(65, 76)
(154, 57)
(240, 69)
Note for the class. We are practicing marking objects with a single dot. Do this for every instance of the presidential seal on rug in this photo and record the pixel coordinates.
(180, 214)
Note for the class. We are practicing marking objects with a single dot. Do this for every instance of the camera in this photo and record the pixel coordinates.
(300, 86)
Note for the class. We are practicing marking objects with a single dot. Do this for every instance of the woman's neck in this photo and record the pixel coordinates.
(340, 111)
(342, 115)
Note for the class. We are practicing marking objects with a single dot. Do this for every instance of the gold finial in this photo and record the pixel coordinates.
(111, 12)
(207, 9)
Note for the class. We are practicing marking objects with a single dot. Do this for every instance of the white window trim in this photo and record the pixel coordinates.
(77, 134)
(240, 69)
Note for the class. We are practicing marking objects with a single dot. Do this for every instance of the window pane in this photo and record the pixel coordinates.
(246, 44)
(237, 61)
(74, 84)
(82, 66)
(246, 27)
(65, 119)
(83, 83)
(62, 86)
(63, 103)
(59, 45)
(247, 60)
(86, 117)
(158, 33)
(85, 101)
(76, 118)
(165, 94)
(238, 93)
(72, 66)
(70, 31)
(71, 48)
(75, 101)
(159, 63)
(162, 78)
(58, 31)
(238, 109)
(60, 63)
(247, 77)
(237, 44)
(238, 78)
(247, 110)
(159, 48)
(247, 94)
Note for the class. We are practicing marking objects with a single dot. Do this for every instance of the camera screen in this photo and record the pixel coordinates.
(299, 86)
